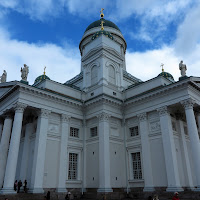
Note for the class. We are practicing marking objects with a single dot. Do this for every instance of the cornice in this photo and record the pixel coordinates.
(49, 95)
(159, 91)
(103, 99)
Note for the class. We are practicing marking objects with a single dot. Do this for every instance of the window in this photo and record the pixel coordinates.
(73, 165)
(93, 132)
(94, 77)
(74, 132)
(134, 131)
(111, 75)
(137, 168)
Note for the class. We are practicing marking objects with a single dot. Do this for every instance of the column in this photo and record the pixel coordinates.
(146, 153)
(25, 153)
(194, 137)
(39, 152)
(1, 129)
(169, 151)
(4, 146)
(63, 153)
(198, 119)
(13, 150)
(104, 153)
(185, 153)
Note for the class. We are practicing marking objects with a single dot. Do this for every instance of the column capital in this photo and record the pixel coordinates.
(44, 113)
(103, 116)
(20, 107)
(65, 118)
(188, 103)
(142, 116)
(163, 111)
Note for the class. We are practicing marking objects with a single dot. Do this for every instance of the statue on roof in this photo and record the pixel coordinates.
(183, 68)
(3, 77)
(24, 72)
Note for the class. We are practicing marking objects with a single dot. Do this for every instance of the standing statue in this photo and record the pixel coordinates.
(24, 72)
(3, 77)
(183, 68)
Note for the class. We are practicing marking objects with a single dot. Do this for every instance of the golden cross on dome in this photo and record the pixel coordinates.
(102, 22)
(44, 69)
(101, 15)
(162, 67)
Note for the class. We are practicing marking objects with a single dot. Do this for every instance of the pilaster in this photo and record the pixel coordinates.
(62, 174)
(146, 153)
(104, 153)
(25, 154)
(169, 151)
(194, 137)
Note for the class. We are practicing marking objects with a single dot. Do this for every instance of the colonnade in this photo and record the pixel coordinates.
(173, 179)
(9, 150)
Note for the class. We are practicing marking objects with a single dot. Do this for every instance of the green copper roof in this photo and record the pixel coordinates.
(166, 75)
(106, 33)
(41, 78)
(106, 23)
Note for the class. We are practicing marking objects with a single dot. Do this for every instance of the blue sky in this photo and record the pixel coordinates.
(47, 33)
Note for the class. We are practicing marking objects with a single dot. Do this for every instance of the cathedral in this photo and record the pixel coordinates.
(104, 129)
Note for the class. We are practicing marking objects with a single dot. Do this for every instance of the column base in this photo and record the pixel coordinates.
(8, 191)
(174, 189)
(148, 189)
(36, 190)
(105, 190)
(61, 190)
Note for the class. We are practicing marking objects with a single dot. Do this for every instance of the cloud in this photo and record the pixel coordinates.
(146, 65)
(36, 9)
(188, 34)
(62, 63)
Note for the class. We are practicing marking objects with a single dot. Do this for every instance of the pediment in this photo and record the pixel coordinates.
(5, 88)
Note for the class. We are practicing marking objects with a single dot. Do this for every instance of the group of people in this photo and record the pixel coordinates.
(18, 185)
(155, 197)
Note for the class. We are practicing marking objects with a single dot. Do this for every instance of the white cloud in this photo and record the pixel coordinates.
(146, 65)
(35, 9)
(61, 66)
(188, 34)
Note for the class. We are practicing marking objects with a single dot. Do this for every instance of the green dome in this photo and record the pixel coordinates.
(106, 33)
(166, 75)
(41, 78)
(106, 23)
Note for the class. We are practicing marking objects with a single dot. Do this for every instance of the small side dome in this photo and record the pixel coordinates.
(106, 33)
(167, 75)
(41, 78)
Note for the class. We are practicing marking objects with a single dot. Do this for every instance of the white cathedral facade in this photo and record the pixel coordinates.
(104, 129)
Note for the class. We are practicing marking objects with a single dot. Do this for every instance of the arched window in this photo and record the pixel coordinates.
(94, 75)
(112, 75)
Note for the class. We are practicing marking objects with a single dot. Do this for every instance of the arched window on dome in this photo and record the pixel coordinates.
(112, 75)
(94, 75)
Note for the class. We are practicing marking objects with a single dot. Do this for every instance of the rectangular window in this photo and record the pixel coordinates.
(93, 132)
(137, 167)
(74, 132)
(73, 166)
(134, 131)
